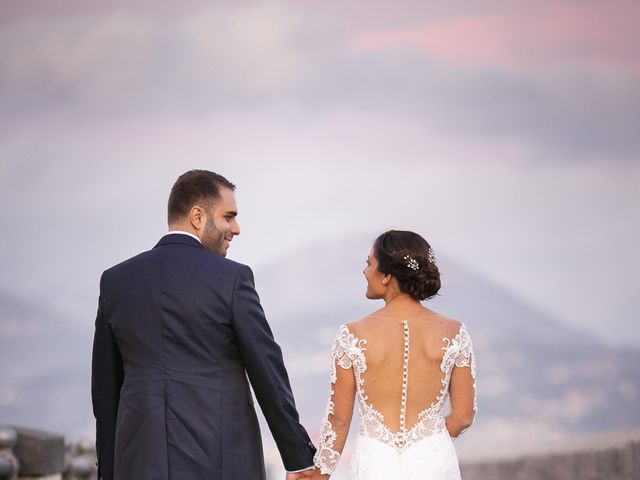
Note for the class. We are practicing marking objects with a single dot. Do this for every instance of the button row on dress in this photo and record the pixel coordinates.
(405, 368)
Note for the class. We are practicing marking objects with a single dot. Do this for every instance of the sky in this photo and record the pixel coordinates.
(506, 132)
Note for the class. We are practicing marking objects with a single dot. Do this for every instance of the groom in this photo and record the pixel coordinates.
(178, 331)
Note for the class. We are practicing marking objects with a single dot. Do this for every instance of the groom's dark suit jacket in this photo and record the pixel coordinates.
(176, 330)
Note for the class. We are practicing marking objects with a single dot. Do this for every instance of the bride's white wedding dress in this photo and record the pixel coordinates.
(419, 449)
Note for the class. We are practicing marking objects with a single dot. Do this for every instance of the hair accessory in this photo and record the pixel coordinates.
(412, 263)
(431, 256)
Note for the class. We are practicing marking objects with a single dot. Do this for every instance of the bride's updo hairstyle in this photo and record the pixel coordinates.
(408, 257)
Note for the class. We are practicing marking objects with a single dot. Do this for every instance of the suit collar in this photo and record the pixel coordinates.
(180, 239)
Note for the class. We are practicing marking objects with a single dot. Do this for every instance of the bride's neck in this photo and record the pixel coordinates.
(398, 299)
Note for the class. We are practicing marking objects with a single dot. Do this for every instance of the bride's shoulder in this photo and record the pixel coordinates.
(352, 327)
(360, 325)
(448, 327)
(348, 328)
(347, 340)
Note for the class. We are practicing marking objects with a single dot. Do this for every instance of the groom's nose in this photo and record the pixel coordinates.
(235, 227)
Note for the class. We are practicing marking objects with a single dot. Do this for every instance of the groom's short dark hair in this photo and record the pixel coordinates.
(193, 187)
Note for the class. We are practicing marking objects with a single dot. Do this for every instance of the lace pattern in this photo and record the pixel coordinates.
(348, 352)
(459, 353)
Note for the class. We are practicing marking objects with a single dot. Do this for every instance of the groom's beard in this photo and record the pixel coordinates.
(213, 239)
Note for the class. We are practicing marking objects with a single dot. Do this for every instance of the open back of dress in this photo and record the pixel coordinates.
(402, 371)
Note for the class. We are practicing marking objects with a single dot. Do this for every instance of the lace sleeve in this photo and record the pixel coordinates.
(328, 453)
(464, 357)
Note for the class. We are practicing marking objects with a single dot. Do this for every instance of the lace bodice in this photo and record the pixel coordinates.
(348, 352)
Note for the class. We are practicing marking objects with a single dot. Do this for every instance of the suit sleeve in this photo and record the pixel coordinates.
(263, 362)
(106, 380)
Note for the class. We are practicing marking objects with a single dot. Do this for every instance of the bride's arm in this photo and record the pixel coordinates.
(335, 425)
(462, 394)
(462, 388)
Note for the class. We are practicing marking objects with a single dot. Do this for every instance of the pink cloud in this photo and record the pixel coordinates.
(603, 35)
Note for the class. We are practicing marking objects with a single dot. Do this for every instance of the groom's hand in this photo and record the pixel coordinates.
(300, 475)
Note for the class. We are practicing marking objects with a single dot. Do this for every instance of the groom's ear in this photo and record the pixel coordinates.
(197, 217)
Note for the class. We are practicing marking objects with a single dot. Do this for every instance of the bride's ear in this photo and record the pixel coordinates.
(386, 279)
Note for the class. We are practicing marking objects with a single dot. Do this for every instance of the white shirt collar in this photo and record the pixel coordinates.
(180, 232)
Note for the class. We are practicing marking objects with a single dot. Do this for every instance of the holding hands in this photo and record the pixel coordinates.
(300, 475)
(312, 473)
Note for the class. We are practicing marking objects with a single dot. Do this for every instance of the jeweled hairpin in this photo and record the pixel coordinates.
(431, 256)
(412, 263)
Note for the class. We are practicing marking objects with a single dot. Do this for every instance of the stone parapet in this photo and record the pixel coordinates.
(27, 454)
(9, 464)
(41, 454)
(614, 463)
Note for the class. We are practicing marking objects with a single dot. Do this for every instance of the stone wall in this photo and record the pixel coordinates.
(33, 454)
(615, 463)
(36, 455)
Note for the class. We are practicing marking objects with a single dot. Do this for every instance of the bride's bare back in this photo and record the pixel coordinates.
(402, 371)
(386, 379)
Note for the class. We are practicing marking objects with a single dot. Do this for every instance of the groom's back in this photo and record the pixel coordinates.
(169, 308)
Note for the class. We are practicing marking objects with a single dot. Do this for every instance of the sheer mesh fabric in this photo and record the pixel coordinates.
(400, 374)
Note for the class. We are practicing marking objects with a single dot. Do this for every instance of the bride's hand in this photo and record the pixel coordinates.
(301, 475)
(318, 476)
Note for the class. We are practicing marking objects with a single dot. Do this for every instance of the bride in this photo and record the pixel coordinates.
(401, 364)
